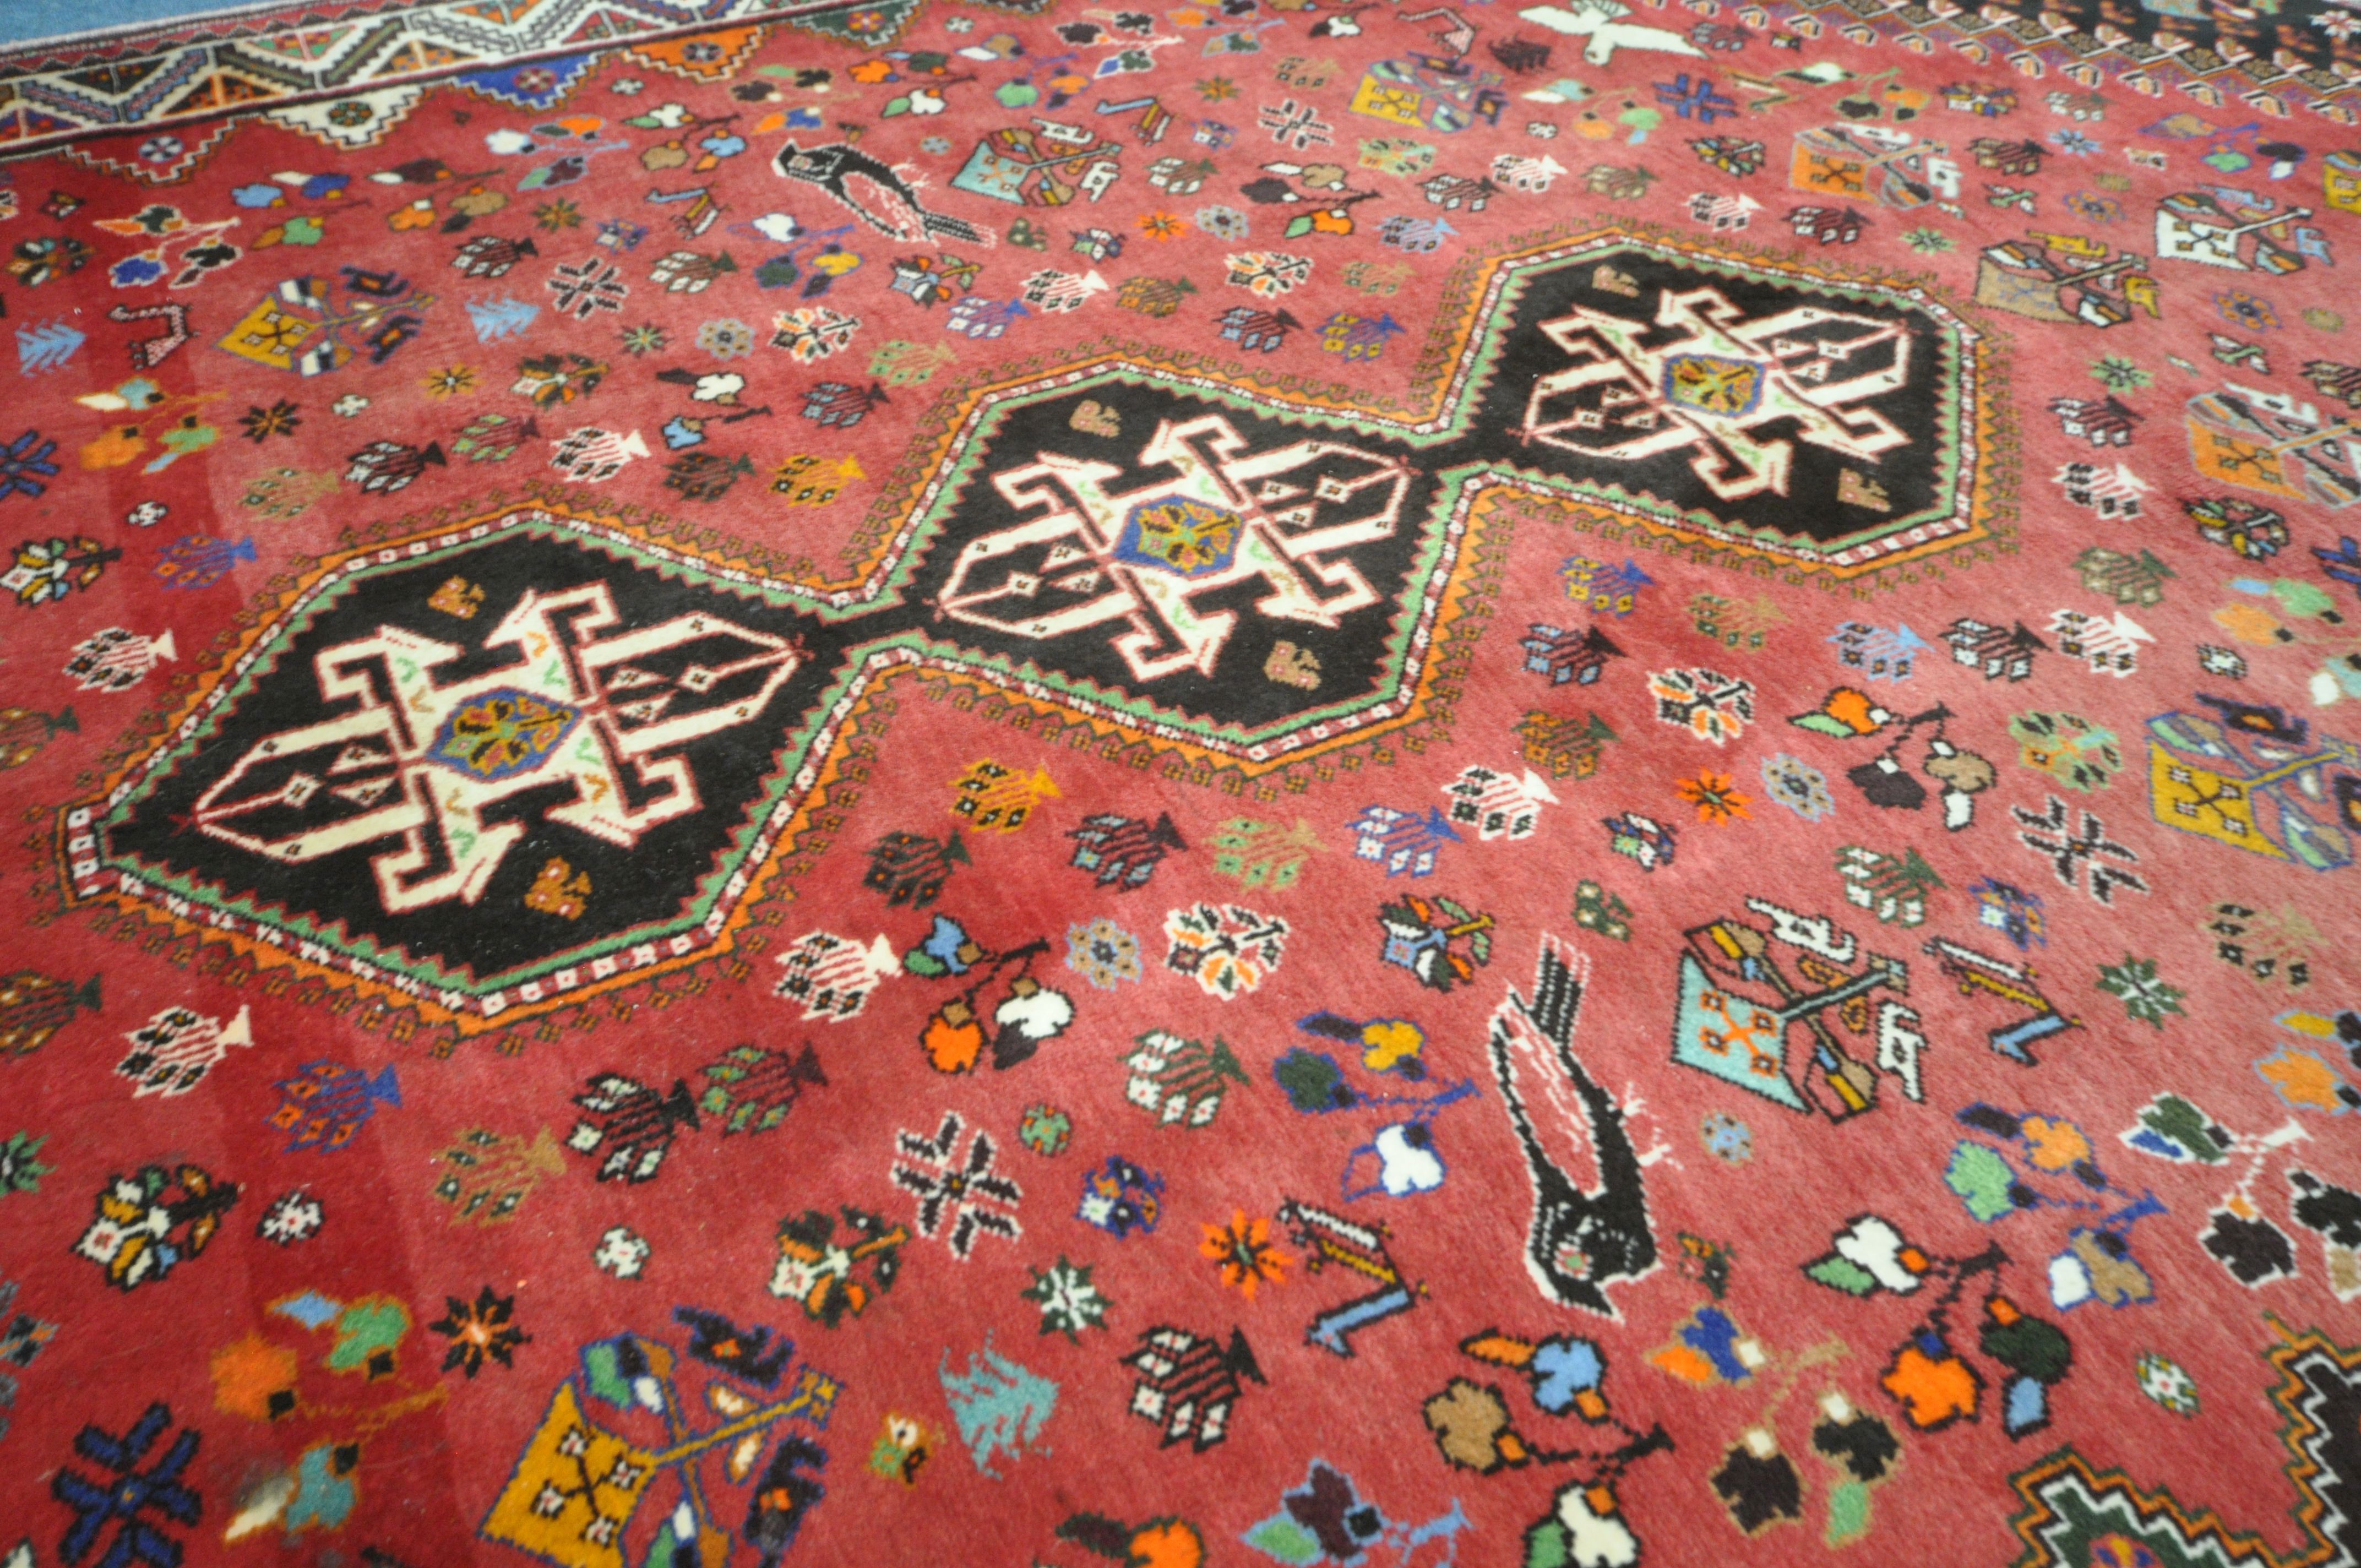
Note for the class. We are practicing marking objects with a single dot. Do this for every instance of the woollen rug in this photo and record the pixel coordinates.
(1251, 783)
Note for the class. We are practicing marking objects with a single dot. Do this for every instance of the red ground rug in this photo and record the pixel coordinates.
(1271, 781)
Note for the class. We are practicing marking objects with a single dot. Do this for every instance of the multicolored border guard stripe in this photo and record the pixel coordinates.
(2085, 42)
(348, 75)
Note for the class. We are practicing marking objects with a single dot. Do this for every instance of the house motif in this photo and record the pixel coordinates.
(1893, 888)
(1153, 296)
(2126, 579)
(2330, 380)
(1733, 624)
(2109, 644)
(1979, 98)
(1121, 851)
(1607, 590)
(1529, 175)
(1256, 331)
(1828, 225)
(2016, 160)
(1055, 291)
(1997, 653)
(628, 1127)
(1876, 652)
(1568, 656)
(1358, 337)
(1723, 215)
(977, 317)
(1420, 236)
(1401, 841)
(2102, 422)
(1497, 804)
(1735, 156)
(1452, 191)
(998, 798)
(2113, 493)
(1189, 1383)
(1566, 748)
(840, 404)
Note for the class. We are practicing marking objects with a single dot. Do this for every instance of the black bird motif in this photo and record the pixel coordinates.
(1582, 1240)
(864, 183)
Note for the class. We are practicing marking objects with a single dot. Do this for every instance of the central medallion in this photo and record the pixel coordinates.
(384, 776)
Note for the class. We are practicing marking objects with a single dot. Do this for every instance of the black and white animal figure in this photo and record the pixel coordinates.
(874, 192)
(1583, 1239)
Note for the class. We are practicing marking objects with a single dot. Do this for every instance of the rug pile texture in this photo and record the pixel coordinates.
(1254, 783)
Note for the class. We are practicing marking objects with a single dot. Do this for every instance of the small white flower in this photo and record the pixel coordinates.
(348, 405)
(147, 515)
(295, 1216)
(622, 1253)
(625, 86)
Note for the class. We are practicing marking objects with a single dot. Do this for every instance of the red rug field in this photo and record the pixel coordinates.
(1021, 786)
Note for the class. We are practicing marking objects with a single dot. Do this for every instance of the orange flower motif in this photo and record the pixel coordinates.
(2249, 624)
(1167, 1543)
(117, 446)
(249, 1374)
(1243, 1250)
(953, 1038)
(1162, 225)
(2056, 1145)
(1716, 797)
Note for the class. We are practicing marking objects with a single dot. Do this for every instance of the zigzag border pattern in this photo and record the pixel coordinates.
(1999, 37)
(143, 82)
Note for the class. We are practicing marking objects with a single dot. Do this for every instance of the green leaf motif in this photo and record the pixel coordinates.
(1981, 1181)
(1285, 1539)
(1843, 1274)
(363, 1329)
